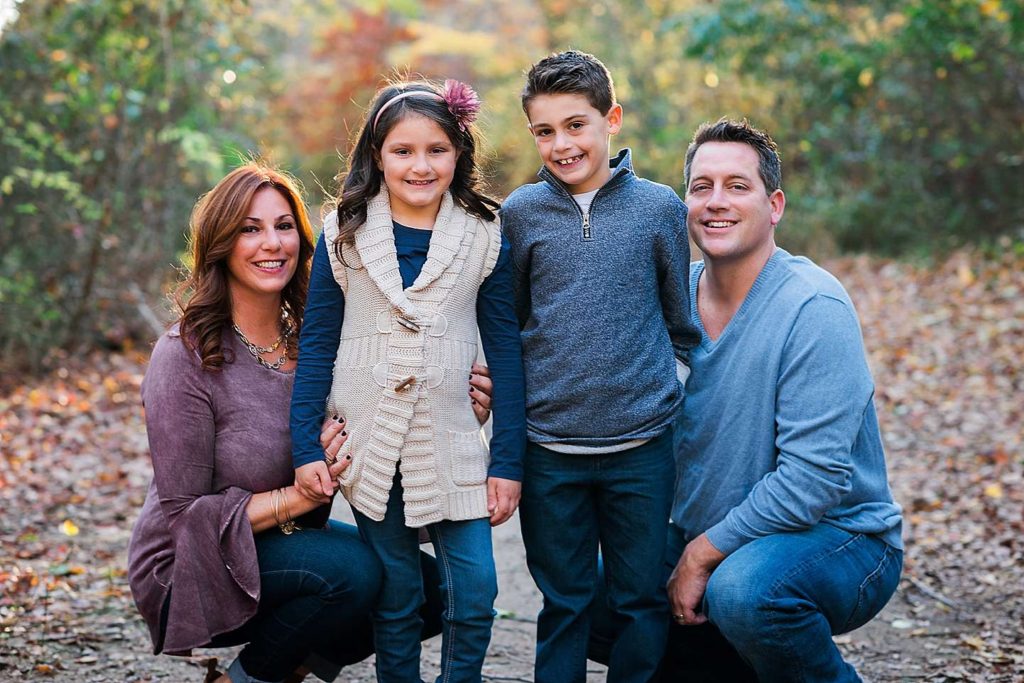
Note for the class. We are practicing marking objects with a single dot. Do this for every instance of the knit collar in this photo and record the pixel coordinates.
(621, 165)
(374, 241)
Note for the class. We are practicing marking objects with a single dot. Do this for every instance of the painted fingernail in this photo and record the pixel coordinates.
(344, 433)
(474, 401)
(334, 417)
(348, 457)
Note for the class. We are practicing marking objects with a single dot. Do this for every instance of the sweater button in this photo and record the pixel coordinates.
(406, 383)
(407, 324)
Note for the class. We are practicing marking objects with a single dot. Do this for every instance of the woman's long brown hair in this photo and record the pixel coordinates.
(216, 223)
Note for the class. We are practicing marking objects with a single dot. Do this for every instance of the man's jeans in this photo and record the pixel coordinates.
(469, 586)
(774, 605)
(572, 503)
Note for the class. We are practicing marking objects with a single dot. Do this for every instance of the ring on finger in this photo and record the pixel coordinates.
(331, 459)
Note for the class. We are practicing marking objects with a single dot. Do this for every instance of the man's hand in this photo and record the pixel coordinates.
(689, 580)
(480, 389)
(502, 498)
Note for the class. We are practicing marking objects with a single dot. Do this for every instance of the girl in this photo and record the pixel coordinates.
(409, 263)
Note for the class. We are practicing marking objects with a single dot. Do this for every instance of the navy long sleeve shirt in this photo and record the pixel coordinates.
(499, 332)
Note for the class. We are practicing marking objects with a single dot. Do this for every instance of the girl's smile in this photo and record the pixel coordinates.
(418, 162)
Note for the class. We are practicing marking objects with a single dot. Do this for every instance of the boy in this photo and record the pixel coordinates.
(601, 259)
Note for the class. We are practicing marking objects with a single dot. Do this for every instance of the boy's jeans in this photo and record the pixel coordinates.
(571, 504)
(469, 586)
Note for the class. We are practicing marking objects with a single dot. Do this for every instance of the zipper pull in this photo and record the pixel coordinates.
(586, 225)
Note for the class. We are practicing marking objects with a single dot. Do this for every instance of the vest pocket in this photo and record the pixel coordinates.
(469, 458)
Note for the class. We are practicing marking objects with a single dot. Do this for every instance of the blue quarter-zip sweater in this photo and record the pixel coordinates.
(603, 307)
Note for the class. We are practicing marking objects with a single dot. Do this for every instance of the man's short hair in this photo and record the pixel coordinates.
(769, 165)
(574, 73)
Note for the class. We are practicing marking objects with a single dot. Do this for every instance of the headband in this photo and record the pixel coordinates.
(461, 100)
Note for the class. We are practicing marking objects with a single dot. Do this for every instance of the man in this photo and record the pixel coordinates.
(783, 518)
(784, 532)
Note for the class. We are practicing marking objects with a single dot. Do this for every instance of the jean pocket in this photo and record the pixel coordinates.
(876, 589)
(469, 458)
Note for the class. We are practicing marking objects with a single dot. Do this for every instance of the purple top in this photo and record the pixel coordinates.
(215, 438)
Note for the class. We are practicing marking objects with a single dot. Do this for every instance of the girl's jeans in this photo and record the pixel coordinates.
(469, 586)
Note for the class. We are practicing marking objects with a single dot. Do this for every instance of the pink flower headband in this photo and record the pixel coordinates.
(461, 100)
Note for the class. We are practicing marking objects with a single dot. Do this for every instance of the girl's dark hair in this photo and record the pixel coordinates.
(217, 219)
(362, 181)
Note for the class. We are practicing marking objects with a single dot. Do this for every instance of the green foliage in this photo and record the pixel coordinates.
(114, 116)
(901, 124)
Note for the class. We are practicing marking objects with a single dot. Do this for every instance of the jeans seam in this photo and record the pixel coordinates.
(887, 557)
(773, 593)
(449, 612)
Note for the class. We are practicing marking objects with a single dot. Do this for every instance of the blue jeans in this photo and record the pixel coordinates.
(774, 605)
(571, 505)
(316, 588)
(469, 586)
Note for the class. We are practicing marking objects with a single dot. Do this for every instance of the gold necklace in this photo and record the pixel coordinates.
(256, 351)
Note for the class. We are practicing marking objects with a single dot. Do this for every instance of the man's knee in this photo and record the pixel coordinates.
(737, 601)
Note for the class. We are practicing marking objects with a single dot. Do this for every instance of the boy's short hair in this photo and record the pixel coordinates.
(769, 165)
(574, 73)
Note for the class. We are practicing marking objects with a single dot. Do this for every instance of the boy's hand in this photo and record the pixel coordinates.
(502, 498)
(480, 389)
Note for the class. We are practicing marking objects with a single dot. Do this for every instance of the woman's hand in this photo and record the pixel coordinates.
(318, 480)
(480, 389)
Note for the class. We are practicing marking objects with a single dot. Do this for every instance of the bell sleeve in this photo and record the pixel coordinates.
(215, 582)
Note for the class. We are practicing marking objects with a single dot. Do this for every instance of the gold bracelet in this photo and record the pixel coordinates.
(289, 526)
(274, 505)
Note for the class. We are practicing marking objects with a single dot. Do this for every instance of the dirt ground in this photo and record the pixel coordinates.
(945, 345)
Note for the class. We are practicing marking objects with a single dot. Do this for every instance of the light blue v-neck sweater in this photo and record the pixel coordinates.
(778, 430)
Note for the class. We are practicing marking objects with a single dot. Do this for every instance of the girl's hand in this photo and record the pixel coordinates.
(318, 480)
(502, 498)
(480, 389)
(333, 435)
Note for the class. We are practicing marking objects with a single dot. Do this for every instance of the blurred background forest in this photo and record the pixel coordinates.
(901, 124)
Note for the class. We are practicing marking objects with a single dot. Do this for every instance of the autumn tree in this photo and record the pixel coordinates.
(114, 117)
(903, 123)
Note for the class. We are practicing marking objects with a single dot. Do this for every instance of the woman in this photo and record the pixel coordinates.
(226, 551)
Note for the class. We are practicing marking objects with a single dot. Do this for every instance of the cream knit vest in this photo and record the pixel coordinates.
(402, 368)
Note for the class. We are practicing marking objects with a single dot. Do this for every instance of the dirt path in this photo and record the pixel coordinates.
(945, 345)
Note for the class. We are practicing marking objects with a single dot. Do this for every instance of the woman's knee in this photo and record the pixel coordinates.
(349, 570)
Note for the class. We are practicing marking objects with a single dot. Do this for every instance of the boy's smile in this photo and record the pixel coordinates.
(572, 138)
